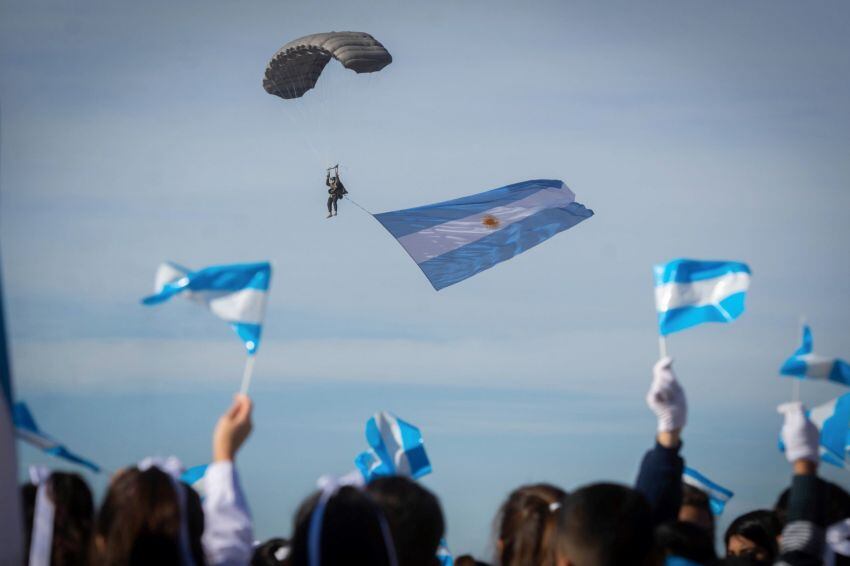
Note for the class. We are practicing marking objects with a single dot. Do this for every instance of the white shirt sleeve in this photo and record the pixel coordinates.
(228, 534)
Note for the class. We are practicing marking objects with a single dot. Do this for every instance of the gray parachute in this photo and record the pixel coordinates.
(296, 67)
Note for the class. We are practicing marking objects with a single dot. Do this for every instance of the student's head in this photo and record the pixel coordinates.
(141, 519)
(685, 540)
(527, 525)
(605, 524)
(351, 531)
(696, 508)
(414, 516)
(73, 517)
(754, 535)
(835, 499)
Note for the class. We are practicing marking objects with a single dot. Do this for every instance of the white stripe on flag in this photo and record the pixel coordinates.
(817, 366)
(448, 236)
(247, 305)
(698, 293)
(36, 440)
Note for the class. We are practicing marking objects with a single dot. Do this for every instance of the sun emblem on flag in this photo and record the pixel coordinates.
(490, 221)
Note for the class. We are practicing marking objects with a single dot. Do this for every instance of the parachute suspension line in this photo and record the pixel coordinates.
(354, 202)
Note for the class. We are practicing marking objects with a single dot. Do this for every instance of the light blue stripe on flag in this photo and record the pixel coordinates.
(718, 495)
(453, 240)
(690, 292)
(235, 293)
(805, 363)
(396, 448)
(28, 431)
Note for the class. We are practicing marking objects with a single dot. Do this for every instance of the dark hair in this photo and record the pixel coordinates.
(140, 520)
(698, 499)
(265, 553)
(72, 520)
(835, 502)
(351, 531)
(606, 524)
(686, 540)
(468, 560)
(527, 525)
(414, 516)
(761, 527)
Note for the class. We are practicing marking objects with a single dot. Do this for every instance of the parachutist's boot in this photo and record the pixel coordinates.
(334, 212)
(329, 215)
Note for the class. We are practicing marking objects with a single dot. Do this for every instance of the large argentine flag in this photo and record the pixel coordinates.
(396, 448)
(718, 495)
(804, 363)
(689, 292)
(236, 293)
(28, 431)
(454, 240)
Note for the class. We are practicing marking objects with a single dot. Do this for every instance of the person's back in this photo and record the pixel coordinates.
(605, 524)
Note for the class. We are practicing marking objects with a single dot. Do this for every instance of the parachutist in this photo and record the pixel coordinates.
(336, 190)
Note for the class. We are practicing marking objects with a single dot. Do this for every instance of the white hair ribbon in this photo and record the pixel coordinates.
(41, 540)
(329, 486)
(554, 506)
(173, 468)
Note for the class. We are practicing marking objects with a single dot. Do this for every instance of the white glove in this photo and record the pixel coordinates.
(800, 436)
(666, 397)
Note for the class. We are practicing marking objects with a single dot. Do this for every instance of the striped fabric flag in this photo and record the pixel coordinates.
(194, 477)
(396, 448)
(718, 495)
(833, 421)
(444, 555)
(804, 363)
(235, 293)
(28, 431)
(689, 292)
(453, 240)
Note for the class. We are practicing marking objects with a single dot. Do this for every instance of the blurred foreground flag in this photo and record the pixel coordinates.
(194, 477)
(689, 292)
(455, 239)
(28, 431)
(833, 420)
(235, 293)
(396, 449)
(803, 363)
(718, 495)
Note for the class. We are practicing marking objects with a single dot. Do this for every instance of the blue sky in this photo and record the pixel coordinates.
(132, 134)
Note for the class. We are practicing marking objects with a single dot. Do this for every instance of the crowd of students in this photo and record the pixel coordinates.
(149, 517)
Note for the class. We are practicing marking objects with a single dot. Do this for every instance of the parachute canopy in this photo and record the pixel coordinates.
(296, 67)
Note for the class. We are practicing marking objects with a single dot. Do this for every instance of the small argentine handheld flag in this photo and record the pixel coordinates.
(833, 420)
(804, 363)
(718, 495)
(444, 555)
(194, 477)
(397, 448)
(28, 431)
(455, 239)
(235, 293)
(689, 292)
